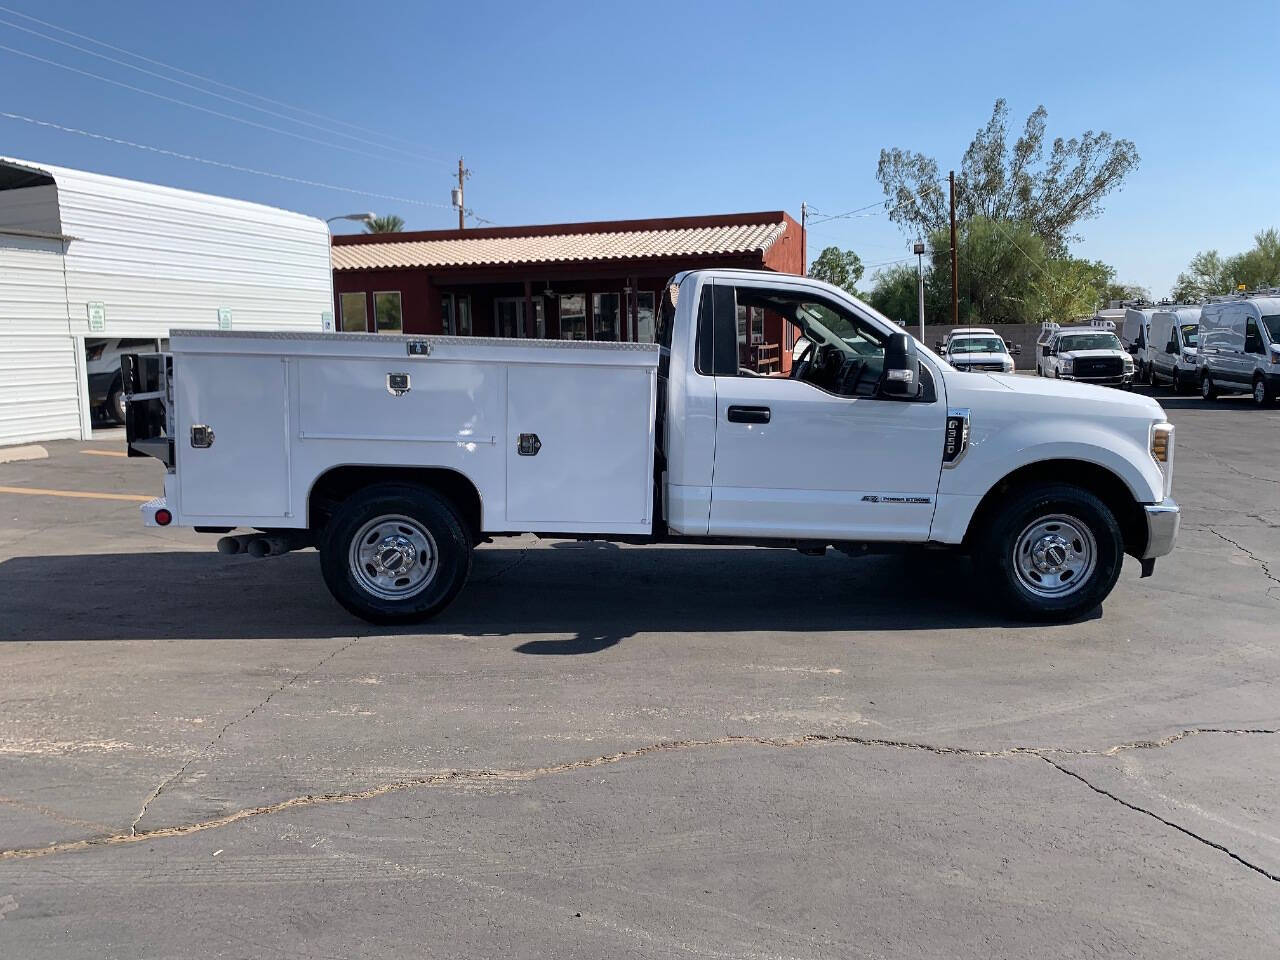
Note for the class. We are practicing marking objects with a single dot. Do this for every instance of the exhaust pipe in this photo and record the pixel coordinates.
(234, 545)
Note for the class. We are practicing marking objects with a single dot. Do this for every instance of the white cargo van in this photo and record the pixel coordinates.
(1170, 356)
(1239, 348)
(1135, 335)
(396, 455)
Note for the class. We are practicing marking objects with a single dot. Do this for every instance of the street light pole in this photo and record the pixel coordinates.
(359, 217)
(918, 250)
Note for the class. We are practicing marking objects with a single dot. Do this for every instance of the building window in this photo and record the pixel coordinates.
(455, 314)
(355, 312)
(606, 308)
(573, 316)
(509, 317)
(644, 316)
(387, 314)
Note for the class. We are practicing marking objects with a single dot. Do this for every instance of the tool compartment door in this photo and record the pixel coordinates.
(244, 401)
(592, 469)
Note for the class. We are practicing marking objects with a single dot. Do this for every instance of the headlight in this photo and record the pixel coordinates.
(1162, 453)
(1128, 364)
(1068, 365)
(1188, 356)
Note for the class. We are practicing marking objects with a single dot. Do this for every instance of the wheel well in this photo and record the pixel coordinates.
(337, 484)
(1099, 481)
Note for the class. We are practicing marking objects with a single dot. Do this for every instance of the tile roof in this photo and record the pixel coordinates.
(559, 248)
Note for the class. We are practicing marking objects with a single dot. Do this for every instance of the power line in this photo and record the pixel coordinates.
(196, 106)
(210, 93)
(197, 76)
(219, 163)
(852, 214)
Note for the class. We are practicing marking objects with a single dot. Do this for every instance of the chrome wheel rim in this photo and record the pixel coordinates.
(1259, 393)
(1206, 387)
(1055, 555)
(393, 557)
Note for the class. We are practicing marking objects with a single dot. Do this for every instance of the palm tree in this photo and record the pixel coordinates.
(388, 224)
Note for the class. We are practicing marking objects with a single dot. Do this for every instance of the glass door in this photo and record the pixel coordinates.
(509, 317)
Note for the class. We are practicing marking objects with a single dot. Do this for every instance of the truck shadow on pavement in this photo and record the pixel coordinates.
(571, 600)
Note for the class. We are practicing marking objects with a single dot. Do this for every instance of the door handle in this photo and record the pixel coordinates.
(749, 414)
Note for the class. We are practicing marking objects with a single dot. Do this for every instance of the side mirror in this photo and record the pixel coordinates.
(901, 378)
(1017, 349)
(1171, 347)
(1045, 351)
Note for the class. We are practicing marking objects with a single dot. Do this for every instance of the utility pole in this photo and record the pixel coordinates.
(918, 250)
(955, 274)
(457, 197)
(804, 236)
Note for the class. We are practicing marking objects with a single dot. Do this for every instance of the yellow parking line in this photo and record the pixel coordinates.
(105, 453)
(78, 494)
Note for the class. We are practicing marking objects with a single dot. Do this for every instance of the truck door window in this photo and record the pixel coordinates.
(1252, 339)
(844, 356)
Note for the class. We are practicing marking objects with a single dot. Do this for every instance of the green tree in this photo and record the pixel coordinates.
(1049, 193)
(843, 268)
(1209, 274)
(1206, 276)
(387, 224)
(895, 294)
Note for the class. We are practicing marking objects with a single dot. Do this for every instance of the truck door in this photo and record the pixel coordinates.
(813, 451)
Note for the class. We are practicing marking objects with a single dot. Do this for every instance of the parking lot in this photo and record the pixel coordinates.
(605, 751)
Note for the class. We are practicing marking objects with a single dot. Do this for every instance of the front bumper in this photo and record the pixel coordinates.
(1162, 528)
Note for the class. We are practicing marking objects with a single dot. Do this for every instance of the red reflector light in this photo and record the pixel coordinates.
(164, 517)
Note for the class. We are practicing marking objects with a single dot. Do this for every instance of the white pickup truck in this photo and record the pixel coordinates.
(396, 455)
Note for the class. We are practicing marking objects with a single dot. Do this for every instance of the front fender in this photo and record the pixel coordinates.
(1000, 447)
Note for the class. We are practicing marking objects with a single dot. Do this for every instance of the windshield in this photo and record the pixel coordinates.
(977, 345)
(1272, 323)
(1089, 341)
(821, 323)
(1190, 334)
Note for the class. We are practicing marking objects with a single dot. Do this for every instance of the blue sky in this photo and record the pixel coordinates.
(600, 110)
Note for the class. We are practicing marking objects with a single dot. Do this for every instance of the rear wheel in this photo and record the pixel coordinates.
(1175, 380)
(395, 553)
(1053, 552)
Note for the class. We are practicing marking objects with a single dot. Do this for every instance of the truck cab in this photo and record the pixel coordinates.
(976, 349)
(395, 456)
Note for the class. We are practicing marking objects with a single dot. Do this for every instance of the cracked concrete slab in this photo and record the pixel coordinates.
(833, 850)
(1223, 787)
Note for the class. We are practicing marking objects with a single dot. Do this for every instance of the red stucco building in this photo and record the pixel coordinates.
(581, 281)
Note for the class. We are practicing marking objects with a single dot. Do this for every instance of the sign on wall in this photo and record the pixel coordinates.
(97, 312)
(224, 318)
(326, 320)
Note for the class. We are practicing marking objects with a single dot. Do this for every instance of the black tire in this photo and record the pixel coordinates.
(1175, 381)
(1263, 394)
(1208, 389)
(1025, 522)
(395, 514)
(115, 404)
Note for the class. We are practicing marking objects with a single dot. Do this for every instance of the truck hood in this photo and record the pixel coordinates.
(1042, 394)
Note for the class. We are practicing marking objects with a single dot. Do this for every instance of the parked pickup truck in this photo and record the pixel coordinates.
(396, 455)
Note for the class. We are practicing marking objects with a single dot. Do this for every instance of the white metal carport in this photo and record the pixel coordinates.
(141, 259)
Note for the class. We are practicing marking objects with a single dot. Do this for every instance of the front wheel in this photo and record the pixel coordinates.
(1208, 389)
(1053, 552)
(116, 404)
(395, 553)
(1263, 395)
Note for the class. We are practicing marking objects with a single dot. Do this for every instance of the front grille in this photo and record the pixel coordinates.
(1099, 366)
